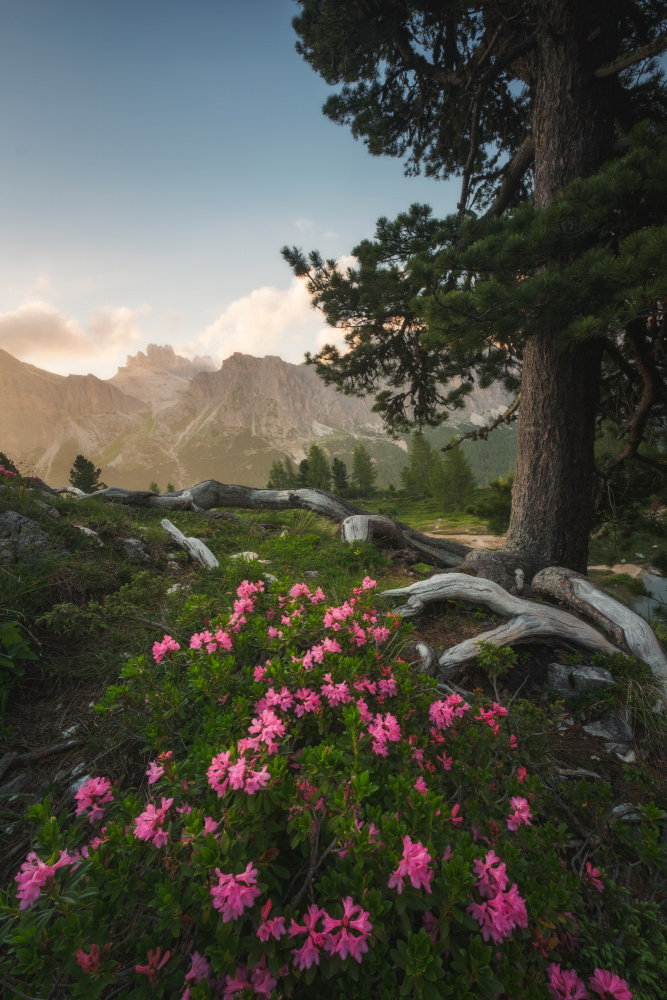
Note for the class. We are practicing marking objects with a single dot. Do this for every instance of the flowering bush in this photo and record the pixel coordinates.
(317, 811)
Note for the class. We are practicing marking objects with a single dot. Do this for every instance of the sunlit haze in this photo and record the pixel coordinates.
(155, 156)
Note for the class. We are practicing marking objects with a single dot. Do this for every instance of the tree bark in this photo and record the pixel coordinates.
(573, 127)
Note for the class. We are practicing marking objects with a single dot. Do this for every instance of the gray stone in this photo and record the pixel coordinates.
(135, 549)
(89, 533)
(312, 574)
(571, 681)
(21, 537)
(625, 812)
(51, 511)
(613, 727)
(623, 752)
(489, 566)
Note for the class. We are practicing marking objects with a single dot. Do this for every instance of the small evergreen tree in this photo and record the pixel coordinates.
(282, 476)
(84, 476)
(452, 479)
(364, 472)
(302, 474)
(495, 504)
(416, 477)
(7, 463)
(170, 488)
(319, 470)
(153, 487)
(339, 476)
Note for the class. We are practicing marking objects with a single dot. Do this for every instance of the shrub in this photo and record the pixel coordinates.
(319, 819)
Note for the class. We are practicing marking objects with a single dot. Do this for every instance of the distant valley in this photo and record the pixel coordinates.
(166, 418)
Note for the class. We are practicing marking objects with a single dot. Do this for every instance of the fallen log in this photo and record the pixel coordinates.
(629, 630)
(210, 494)
(530, 621)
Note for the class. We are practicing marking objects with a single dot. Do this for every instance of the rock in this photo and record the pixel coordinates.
(250, 557)
(613, 727)
(312, 574)
(70, 730)
(270, 579)
(51, 511)
(489, 566)
(21, 537)
(623, 752)
(135, 549)
(89, 532)
(284, 534)
(571, 681)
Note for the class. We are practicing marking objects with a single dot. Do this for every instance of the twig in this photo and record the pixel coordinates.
(516, 692)
(17, 992)
(28, 758)
(315, 864)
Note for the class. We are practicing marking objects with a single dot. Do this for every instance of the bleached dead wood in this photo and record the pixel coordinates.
(193, 546)
(210, 494)
(376, 527)
(632, 632)
(530, 621)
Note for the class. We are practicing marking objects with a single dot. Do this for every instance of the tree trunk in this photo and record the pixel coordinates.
(573, 125)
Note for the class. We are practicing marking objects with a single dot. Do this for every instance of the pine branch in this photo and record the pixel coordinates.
(482, 432)
(652, 393)
(645, 52)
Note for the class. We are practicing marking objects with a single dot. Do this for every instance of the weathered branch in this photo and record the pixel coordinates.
(482, 432)
(645, 52)
(632, 632)
(530, 621)
(193, 546)
(514, 173)
(210, 494)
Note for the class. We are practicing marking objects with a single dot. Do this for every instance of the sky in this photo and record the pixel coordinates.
(155, 155)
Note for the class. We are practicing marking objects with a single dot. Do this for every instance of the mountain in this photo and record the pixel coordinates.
(166, 418)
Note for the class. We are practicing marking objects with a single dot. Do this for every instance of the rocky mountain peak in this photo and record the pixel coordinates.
(162, 357)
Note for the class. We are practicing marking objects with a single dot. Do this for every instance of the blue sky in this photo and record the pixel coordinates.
(154, 157)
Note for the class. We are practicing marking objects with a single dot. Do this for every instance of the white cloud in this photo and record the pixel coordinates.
(40, 333)
(303, 225)
(270, 320)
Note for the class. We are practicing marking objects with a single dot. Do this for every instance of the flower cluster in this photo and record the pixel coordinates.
(341, 942)
(444, 713)
(148, 825)
(520, 815)
(565, 984)
(35, 874)
(234, 893)
(384, 729)
(7, 472)
(413, 865)
(160, 649)
(503, 909)
(238, 775)
(91, 795)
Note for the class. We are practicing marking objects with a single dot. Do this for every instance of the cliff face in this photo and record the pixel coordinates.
(165, 418)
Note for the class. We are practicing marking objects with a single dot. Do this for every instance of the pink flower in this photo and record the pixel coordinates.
(443, 713)
(233, 984)
(500, 915)
(299, 590)
(522, 774)
(199, 969)
(609, 986)
(367, 583)
(275, 927)
(336, 694)
(309, 952)
(319, 595)
(357, 634)
(310, 701)
(34, 875)
(155, 770)
(259, 674)
(455, 818)
(420, 785)
(92, 964)
(445, 761)
(592, 877)
(331, 646)
(234, 893)
(154, 965)
(491, 875)
(384, 730)
(521, 814)
(565, 984)
(160, 649)
(414, 865)
(262, 980)
(217, 773)
(91, 795)
(268, 727)
(380, 634)
(257, 780)
(148, 825)
(344, 943)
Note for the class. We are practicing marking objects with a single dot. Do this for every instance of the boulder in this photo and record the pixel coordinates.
(613, 726)
(571, 681)
(22, 538)
(135, 549)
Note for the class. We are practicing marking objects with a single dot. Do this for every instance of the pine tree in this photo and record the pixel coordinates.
(364, 472)
(416, 477)
(282, 476)
(302, 474)
(170, 488)
(453, 481)
(153, 487)
(339, 476)
(318, 476)
(84, 476)
(551, 299)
